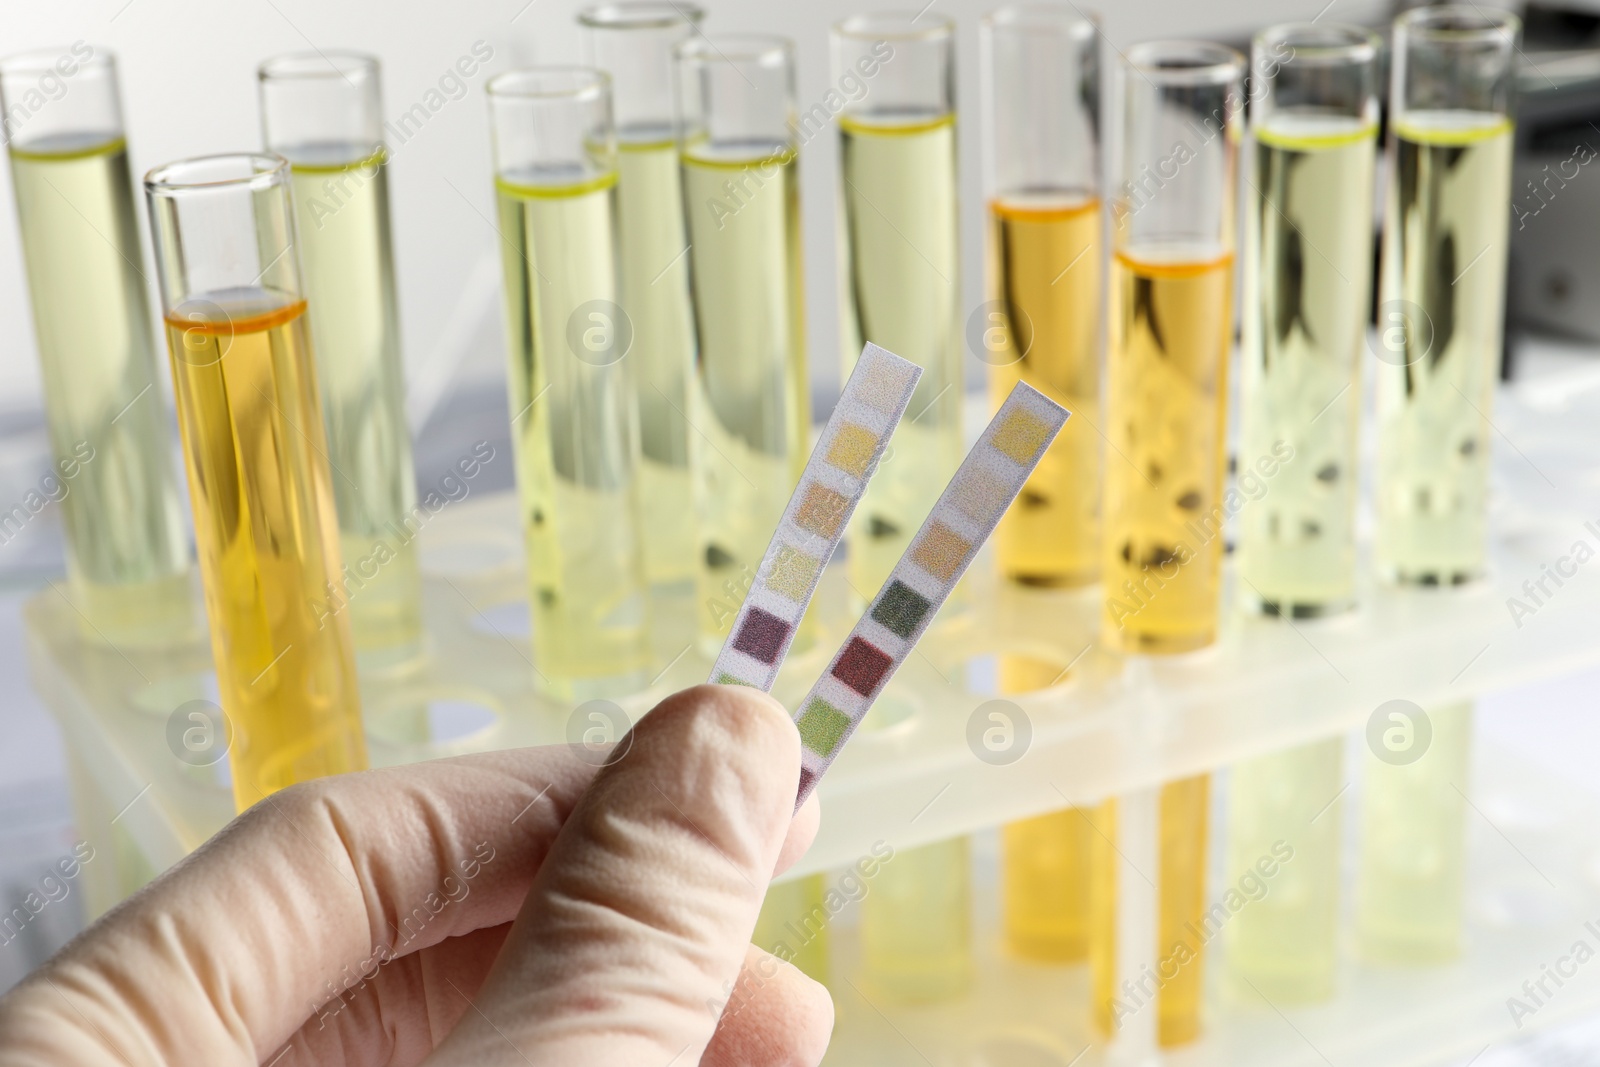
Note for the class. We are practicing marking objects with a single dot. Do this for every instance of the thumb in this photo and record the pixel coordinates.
(637, 924)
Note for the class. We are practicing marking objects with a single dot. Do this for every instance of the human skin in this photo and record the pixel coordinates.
(537, 911)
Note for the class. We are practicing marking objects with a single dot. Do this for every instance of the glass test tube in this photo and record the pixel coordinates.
(1102, 907)
(1443, 287)
(1284, 944)
(574, 416)
(900, 261)
(1307, 284)
(1041, 81)
(1045, 859)
(1171, 324)
(1308, 256)
(323, 113)
(793, 925)
(916, 937)
(126, 559)
(1410, 879)
(1170, 329)
(256, 455)
(633, 42)
(1181, 902)
(916, 924)
(750, 400)
(1175, 972)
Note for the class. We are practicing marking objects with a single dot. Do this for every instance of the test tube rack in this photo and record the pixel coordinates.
(1108, 726)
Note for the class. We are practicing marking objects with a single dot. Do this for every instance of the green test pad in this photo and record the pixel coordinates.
(962, 519)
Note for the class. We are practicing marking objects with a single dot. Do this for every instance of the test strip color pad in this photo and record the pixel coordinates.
(961, 521)
(813, 524)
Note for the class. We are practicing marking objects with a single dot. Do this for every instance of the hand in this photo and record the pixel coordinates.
(508, 908)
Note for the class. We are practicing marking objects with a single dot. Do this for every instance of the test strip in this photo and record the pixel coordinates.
(814, 522)
(986, 483)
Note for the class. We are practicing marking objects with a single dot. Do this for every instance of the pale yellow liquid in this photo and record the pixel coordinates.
(576, 440)
(1185, 822)
(1045, 860)
(793, 924)
(341, 198)
(1044, 265)
(1046, 875)
(750, 399)
(916, 925)
(267, 537)
(655, 292)
(1284, 946)
(1167, 397)
(900, 287)
(1102, 947)
(1180, 888)
(1307, 293)
(126, 556)
(1410, 876)
(1445, 253)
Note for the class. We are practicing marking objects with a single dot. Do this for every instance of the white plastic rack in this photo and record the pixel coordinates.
(1108, 726)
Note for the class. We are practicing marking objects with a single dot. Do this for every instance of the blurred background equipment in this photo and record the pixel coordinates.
(1555, 275)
